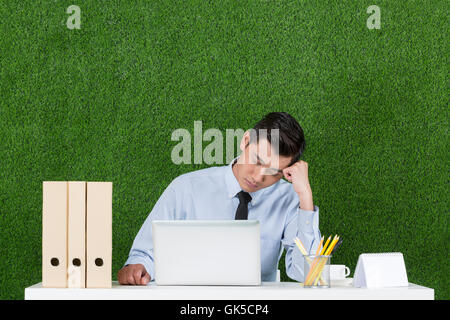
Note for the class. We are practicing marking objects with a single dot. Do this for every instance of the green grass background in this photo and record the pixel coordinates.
(100, 104)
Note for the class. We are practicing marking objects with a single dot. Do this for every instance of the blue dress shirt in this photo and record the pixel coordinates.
(211, 194)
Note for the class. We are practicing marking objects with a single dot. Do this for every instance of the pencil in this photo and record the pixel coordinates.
(317, 252)
(338, 244)
(325, 245)
(333, 243)
(320, 244)
(324, 261)
(300, 246)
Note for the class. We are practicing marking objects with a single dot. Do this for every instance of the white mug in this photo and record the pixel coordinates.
(339, 271)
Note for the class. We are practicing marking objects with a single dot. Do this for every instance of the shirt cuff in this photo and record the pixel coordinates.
(308, 221)
(145, 261)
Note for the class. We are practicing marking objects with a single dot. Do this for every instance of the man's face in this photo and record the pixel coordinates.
(258, 166)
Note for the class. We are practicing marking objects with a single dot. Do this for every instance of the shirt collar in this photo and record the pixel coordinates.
(233, 186)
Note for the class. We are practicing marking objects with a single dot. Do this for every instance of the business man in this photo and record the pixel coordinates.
(250, 187)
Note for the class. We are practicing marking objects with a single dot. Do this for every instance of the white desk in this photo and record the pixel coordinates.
(267, 291)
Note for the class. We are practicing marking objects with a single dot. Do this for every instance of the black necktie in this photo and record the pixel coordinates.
(242, 210)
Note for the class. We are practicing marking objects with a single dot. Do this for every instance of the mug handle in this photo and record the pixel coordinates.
(347, 271)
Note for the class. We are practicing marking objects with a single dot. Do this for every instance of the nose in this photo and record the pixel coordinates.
(259, 177)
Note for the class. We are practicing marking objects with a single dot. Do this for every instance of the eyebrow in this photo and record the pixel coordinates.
(261, 160)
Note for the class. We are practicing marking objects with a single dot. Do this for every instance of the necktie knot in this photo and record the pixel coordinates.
(244, 197)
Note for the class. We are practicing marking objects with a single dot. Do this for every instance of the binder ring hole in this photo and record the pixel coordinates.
(99, 262)
(54, 262)
(76, 262)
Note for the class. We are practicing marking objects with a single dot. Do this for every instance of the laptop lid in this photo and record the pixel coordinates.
(207, 252)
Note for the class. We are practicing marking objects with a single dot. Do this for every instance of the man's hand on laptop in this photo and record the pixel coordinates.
(133, 274)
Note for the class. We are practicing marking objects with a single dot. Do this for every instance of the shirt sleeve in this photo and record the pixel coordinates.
(166, 208)
(303, 224)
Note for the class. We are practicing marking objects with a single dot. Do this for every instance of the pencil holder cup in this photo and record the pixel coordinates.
(317, 271)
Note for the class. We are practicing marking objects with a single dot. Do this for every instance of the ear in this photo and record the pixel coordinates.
(245, 140)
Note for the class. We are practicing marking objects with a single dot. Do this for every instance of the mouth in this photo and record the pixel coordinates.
(251, 185)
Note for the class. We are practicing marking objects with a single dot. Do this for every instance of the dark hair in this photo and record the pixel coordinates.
(292, 140)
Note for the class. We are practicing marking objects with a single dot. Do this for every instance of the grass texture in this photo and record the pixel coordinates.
(100, 104)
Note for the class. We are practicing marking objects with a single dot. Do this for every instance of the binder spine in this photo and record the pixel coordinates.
(76, 243)
(54, 234)
(99, 235)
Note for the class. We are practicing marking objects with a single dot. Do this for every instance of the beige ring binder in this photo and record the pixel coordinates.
(54, 234)
(99, 235)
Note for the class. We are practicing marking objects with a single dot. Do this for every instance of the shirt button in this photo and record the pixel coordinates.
(307, 221)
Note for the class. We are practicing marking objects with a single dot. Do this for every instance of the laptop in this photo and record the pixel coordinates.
(207, 252)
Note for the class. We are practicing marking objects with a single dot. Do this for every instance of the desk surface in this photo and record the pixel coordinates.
(267, 291)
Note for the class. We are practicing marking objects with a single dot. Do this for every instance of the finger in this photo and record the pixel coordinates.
(287, 175)
(130, 279)
(127, 276)
(122, 276)
(137, 275)
(145, 279)
(119, 277)
(303, 165)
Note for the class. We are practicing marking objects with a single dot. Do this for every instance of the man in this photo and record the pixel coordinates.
(250, 187)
